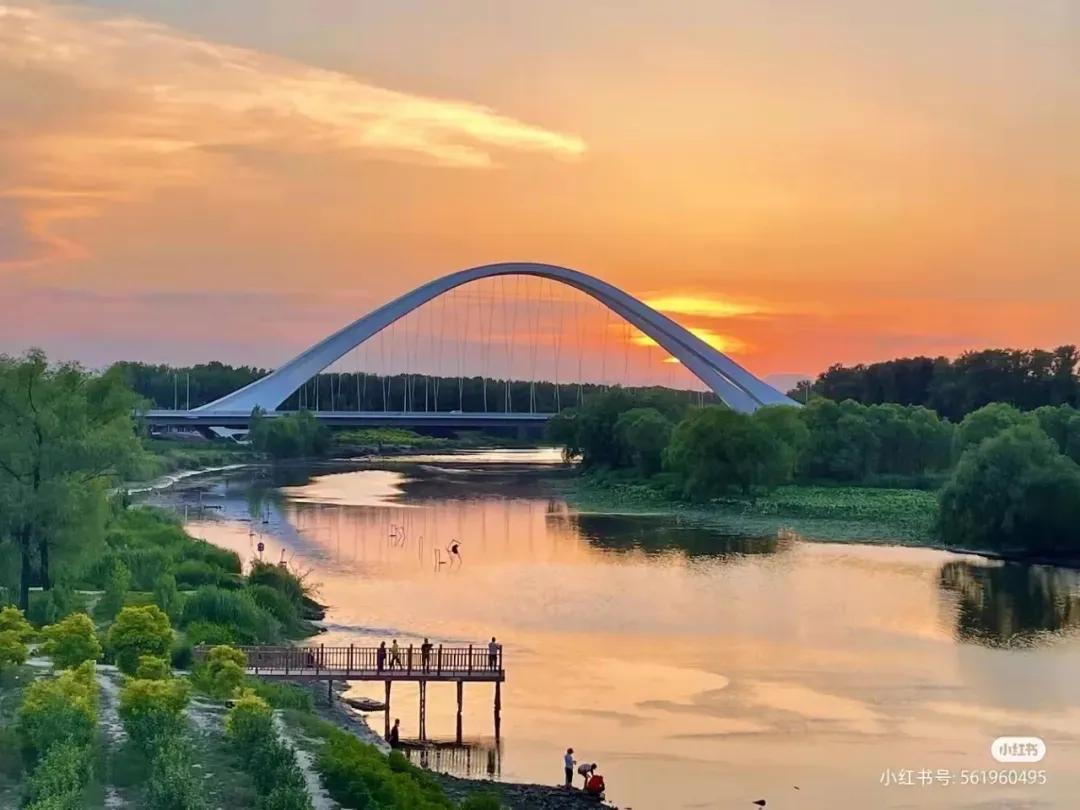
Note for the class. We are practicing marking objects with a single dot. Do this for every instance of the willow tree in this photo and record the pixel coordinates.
(66, 436)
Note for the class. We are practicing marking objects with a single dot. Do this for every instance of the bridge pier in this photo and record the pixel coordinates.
(386, 734)
(498, 709)
(423, 710)
(460, 699)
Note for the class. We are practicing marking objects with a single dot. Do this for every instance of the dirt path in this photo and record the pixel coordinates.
(320, 799)
(108, 678)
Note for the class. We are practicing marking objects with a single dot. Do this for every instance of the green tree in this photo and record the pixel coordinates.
(223, 671)
(1062, 424)
(153, 710)
(152, 668)
(71, 641)
(714, 450)
(644, 433)
(57, 710)
(1013, 492)
(174, 784)
(65, 435)
(13, 620)
(117, 586)
(293, 435)
(167, 596)
(139, 631)
(842, 444)
(987, 422)
(13, 650)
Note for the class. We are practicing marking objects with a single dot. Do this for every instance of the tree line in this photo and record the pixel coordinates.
(954, 388)
(164, 386)
(1008, 479)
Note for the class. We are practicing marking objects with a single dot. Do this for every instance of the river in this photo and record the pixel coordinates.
(699, 670)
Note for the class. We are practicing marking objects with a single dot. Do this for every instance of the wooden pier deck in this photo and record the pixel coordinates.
(459, 664)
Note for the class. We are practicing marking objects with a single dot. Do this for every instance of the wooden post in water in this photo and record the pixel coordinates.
(387, 702)
(498, 709)
(423, 710)
(460, 697)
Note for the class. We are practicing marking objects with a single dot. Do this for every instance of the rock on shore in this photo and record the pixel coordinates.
(522, 797)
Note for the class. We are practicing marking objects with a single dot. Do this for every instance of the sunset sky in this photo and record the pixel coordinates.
(802, 182)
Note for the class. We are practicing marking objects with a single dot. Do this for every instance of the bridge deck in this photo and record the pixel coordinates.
(465, 664)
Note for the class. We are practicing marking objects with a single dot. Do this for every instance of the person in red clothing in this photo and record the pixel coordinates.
(595, 786)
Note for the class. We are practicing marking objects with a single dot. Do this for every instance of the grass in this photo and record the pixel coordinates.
(164, 456)
(12, 683)
(814, 512)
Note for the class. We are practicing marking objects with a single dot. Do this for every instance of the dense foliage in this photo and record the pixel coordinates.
(138, 631)
(166, 386)
(65, 436)
(292, 435)
(1014, 491)
(71, 641)
(271, 763)
(153, 710)
(222, 673)
(954, 388)
(57, 710)
(358, 775)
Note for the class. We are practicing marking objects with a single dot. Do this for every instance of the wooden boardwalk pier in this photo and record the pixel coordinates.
(412, 664)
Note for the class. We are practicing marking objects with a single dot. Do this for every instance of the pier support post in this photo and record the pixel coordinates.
(423, 710)
(498, 709)
(329, 691)
(460, 696)
(387, 703)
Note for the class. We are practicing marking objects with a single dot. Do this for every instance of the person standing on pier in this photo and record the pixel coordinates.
(394, 737)
(395, 655)
(380, 657)
(494, 649)
(425, 655)
(568, 765)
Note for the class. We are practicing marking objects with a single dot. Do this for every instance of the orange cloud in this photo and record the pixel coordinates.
(196, 107)
(703, 305)
(723, 343)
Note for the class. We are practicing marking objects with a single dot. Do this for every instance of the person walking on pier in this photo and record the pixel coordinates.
(395, 655)
(380, 657)
(394, 738)
(425, 655)
(494, 649)
(568, 766)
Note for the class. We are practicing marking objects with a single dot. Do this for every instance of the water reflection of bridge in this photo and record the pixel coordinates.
(470, 760)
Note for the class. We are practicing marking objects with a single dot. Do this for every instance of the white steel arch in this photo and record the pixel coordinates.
(733, 384)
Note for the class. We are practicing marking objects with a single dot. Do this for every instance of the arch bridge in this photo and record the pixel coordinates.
(730, 382)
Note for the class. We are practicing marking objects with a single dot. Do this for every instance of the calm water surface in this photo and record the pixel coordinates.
(699, 670)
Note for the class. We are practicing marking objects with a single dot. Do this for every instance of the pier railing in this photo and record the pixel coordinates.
(409, 663)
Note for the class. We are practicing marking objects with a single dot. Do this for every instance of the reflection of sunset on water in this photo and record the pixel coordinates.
(641, 639)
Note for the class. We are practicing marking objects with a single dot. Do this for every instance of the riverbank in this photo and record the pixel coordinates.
(847, 514)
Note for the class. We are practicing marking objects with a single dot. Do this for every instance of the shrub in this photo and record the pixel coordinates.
(173, 784)
(139, 631)
(71, 641)
(482, 801)
(153, 711)
(235, 609)
(195, 573)
(271, 763)
(280, 579)
(275, 603)
(151, 668)
(57, 710)
(223, 671)
(209, 634)
(59, 778)
(145, 565)
(167, 595)
(281, 695)
(358, 775)
(249, 721)
(116, 588)
(181, 654)
(13, 650)
(12, 620)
